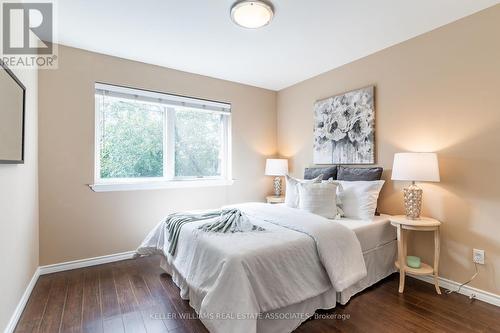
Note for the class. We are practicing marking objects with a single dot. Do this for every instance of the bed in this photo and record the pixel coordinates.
(274, 280)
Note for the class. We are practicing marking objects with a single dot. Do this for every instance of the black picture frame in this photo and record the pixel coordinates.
(21, 85)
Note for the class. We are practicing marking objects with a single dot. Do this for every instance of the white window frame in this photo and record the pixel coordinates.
(169, 180)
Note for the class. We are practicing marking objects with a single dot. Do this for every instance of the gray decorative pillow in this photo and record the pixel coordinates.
(327, 172)
(359, 174)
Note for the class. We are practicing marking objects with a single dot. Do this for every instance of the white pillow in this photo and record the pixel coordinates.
(292, 192)
(359, 198)
(319, 198)
(340, 211)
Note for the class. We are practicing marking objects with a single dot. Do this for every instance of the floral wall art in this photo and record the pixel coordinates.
(344, 128)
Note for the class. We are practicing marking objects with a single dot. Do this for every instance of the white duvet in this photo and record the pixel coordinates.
(230, 279)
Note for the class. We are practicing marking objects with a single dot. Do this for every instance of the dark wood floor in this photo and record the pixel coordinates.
(125, 296)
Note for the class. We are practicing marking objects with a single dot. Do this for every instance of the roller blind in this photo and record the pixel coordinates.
(161, 98)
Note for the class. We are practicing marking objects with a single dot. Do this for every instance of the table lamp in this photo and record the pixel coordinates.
(414, 167)
(276, 167)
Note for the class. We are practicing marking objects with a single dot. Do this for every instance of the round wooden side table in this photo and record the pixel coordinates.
(403, 226)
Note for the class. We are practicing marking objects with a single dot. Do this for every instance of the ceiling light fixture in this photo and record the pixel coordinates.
(252, 14)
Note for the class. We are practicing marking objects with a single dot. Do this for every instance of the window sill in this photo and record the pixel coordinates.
(112, 187)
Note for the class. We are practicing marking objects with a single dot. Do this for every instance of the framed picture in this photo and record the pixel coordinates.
(344, 128)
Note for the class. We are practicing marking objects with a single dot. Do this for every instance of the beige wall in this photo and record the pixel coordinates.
(437, 92)
(19, 211)
(77, 223)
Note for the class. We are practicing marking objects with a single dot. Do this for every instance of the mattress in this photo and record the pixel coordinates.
(371, 233)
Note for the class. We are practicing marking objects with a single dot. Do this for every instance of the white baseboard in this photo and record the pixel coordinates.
(66, 266)
(479, 294)
(11, 326)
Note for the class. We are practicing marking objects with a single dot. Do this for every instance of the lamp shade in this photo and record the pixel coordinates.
(276, 167)
(421, 167)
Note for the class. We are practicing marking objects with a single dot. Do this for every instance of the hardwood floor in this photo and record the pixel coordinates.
(134, 296)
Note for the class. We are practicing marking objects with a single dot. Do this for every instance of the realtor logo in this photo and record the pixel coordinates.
(28, 34)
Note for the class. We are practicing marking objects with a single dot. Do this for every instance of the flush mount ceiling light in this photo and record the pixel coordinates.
(252, 14)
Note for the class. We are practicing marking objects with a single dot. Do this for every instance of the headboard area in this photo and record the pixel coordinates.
(344, 173)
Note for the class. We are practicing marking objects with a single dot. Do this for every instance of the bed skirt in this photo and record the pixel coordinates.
(379, 264)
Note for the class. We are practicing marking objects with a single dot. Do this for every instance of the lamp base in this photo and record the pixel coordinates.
(277, 186)
(413, 201)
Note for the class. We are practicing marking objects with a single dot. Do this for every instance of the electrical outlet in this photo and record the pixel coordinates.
(478, 256)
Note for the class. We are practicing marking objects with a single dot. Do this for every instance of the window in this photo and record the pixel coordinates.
(151, 140)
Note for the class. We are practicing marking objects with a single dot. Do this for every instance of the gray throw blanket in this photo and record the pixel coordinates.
(227, 220)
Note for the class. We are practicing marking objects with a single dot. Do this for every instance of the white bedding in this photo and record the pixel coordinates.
(371, 233)
(231, 278)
